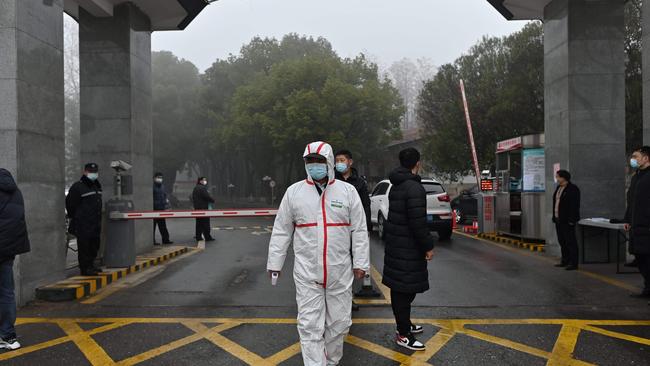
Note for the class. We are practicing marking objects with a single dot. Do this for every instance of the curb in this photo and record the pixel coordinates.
(77, 287)
(533, 247)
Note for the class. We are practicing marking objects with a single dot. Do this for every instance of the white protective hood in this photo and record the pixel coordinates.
(324, 149)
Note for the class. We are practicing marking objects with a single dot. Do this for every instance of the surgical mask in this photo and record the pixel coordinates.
(341, 167)
(317, 171)
(634, 163)
(158, 180)
(92, 176)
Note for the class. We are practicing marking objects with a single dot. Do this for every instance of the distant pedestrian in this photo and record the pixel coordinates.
(13, 241)
(566, 214)
(637, 216)
(84, 207)
(202, 200)
(409, 245)
(160, 203)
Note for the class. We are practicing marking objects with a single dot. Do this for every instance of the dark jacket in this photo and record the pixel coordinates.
(84, 207)
(407, 234)
(638, 212)
(201, 198)
(13, 229)
(362, 188)
(159, 197)
(569, 209)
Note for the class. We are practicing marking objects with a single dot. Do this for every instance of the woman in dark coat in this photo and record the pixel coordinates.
(409, 245)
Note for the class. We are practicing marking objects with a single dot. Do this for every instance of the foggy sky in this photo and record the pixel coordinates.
(387, 31)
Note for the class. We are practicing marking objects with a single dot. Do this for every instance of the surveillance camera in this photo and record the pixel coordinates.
(120, 166)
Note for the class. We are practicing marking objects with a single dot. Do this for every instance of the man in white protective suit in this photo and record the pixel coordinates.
(324, 219)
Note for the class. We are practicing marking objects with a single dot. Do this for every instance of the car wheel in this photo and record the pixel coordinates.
(444, 235)
(381, 226)
(459, 216)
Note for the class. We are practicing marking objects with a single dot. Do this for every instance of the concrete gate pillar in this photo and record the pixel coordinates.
(32, 133)
(115, 80)
(584, 64)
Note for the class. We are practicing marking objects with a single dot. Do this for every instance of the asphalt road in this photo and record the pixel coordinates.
(489, 305)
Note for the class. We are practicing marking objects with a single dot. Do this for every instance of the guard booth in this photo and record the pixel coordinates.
(520, 187)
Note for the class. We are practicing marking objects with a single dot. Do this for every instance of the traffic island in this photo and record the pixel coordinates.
(77, 287)
(533, 247)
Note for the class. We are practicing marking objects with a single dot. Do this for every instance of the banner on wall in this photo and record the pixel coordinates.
(534, 169)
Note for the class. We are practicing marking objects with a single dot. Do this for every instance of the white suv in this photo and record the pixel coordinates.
(438, 207)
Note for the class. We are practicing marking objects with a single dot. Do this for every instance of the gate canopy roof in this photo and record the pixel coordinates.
(164, 14)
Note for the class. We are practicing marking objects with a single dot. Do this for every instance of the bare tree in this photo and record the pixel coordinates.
(71, 92)
(409, 76)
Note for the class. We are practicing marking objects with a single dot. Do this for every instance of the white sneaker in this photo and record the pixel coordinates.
(9, 343)
(415, 329)
(410, 342)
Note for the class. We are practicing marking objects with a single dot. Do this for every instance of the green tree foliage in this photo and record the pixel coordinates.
(175, 88)
(504, 86)
(263, 105)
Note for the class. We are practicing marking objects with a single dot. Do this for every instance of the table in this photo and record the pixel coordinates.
(622, 239)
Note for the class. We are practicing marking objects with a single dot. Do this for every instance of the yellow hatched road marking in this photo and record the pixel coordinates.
(93, 351)
(438, 341)
(562, 353)
(285, 354)
(564, 345)
(618, 335)
(229, 346)
(173, 345)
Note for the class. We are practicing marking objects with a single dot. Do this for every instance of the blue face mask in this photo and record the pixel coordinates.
(317, 171)
(634, 163)
(92, 176)
(341, 167)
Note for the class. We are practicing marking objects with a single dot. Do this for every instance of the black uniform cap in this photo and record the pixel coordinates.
(91, 168)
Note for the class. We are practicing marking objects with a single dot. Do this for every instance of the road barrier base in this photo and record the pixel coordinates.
(78, 287)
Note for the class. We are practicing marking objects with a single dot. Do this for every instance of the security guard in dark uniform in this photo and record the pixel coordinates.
(84, 207)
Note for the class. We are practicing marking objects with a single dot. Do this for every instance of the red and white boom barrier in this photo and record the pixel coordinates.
(192, 214)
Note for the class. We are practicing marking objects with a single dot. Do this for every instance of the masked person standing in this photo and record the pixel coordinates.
(348, 174)
(322, 217)
(409, 245)
(637, 216)
(13, 241)
(84, 207)
(566, 214)
(202, 200)
(160, 203)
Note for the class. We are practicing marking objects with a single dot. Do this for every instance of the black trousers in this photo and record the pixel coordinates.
(401, 304)
(162, 226)
(566, 235)
(644, 268)
(87, 248)
(203, 229)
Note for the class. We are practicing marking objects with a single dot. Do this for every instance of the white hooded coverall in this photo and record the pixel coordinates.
(324, 229)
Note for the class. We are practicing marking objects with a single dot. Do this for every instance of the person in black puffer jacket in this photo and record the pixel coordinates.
(202, 200)
(409, 245)
(84, 207)
(160, 203)
(13, 241)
